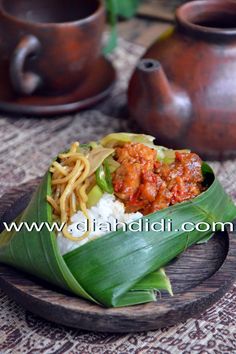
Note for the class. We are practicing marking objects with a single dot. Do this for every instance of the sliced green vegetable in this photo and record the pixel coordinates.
(112, 164)
(108, 176)
(114, 139)
(103, 178)
(94, 196)
(97, 156)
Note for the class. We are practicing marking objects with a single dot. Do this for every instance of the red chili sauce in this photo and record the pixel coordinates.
(144, 184)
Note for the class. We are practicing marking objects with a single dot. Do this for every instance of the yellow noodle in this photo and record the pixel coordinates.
(73, 204)
(57, 192)
(70, 154)
(62, 188)
(83, 200)
(53, 204)
(84, 174)
(69, 184)
(74, 147)
(82, 192)
(65, 179)
(70, 237)
(68, 190)
(60, 168)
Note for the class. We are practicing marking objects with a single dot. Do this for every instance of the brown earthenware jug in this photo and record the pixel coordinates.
(184, 89)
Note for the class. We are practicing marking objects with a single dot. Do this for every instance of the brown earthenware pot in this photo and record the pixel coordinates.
(49, 46)
(184, 89)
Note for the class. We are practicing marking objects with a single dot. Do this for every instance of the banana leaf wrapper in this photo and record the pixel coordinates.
(121, 268)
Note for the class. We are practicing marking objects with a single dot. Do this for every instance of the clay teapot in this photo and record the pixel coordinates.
(183, 91)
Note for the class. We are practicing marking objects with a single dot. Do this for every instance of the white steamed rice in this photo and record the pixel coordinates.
(108, 210)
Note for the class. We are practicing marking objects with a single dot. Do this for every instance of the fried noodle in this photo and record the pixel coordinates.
(69, 185)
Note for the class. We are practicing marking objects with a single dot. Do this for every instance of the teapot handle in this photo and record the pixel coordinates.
(24, 83)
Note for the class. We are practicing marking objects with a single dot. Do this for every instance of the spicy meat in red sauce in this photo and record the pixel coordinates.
(144, 184)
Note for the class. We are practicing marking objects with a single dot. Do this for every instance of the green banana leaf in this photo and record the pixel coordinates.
(120, 268)
(37, 252)
(111, 7)
(127, 8)
(113, 265)
(116, 8)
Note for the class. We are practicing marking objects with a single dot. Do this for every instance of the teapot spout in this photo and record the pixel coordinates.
(155, 80)
(169, 102)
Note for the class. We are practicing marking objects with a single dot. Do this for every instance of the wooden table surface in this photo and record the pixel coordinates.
(153, 18)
